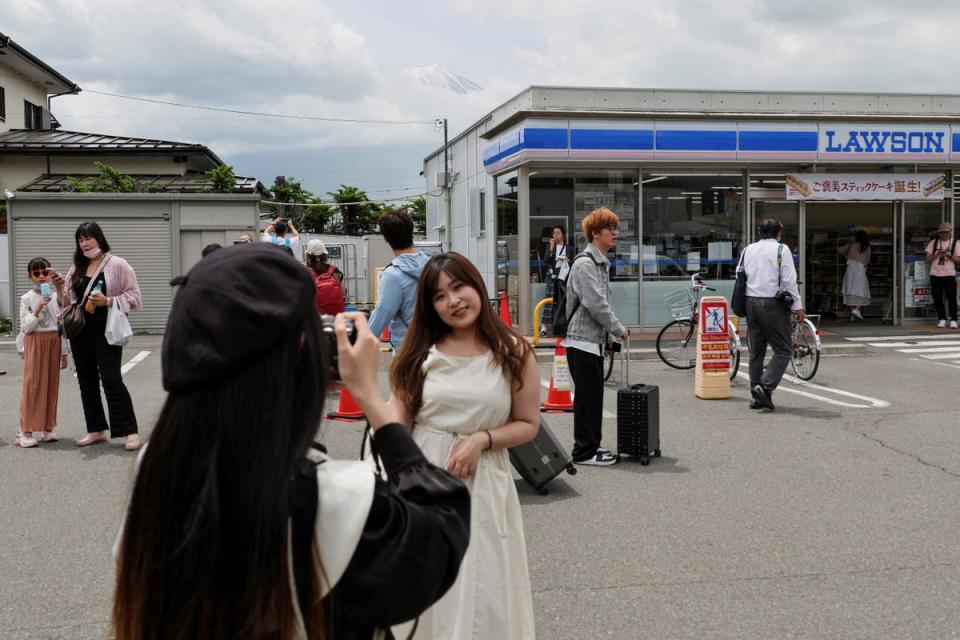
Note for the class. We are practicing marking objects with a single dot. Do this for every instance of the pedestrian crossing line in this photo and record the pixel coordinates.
(926, 336)
(942, 364)
(955, 349)
(134, 361)
(924, 343)
(940, 356)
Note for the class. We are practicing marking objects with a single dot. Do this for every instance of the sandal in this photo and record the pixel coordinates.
(92, 438)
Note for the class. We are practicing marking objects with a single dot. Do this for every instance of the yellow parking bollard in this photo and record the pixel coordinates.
(536, 319)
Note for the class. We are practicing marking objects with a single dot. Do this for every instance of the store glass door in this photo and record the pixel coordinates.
(920, 221)
(829, 229)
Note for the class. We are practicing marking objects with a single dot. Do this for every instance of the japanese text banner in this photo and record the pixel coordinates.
(865, 186)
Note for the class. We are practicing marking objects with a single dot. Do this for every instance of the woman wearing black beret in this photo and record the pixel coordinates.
(237, 527)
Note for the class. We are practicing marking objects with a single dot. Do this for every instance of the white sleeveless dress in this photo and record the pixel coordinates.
(491, 597)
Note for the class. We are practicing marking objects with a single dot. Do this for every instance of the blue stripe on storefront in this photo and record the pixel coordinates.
(538, 138)
(778, 141)
(696, 140)
(956, 143)
(611, 139)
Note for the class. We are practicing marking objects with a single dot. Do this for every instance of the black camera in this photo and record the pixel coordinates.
(943, 259)
(326, 327)
(785, 298)
(614, 346)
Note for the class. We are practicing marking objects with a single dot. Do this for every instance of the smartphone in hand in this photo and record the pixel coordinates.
(45, 289)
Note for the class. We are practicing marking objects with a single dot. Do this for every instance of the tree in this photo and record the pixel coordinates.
(222, 179)
(110, 180)
(418, 211)
(315, 218)
(358, 216)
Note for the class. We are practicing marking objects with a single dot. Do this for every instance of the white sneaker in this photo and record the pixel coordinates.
(953, 324)
(942, 324)
(599, 459)
(25, 440)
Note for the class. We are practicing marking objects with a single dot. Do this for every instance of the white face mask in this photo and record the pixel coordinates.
(92, 253)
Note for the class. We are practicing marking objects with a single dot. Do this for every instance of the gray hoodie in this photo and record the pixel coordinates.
(397, 296)
(590, 285)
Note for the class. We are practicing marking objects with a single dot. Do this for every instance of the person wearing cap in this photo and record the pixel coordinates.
(237, 527)
(327, 277)
(397, 292)
(943, 254)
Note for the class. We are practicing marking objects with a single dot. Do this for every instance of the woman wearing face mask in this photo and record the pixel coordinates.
(96, 360)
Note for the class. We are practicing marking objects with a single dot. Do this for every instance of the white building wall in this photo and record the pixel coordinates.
(84, 165)
(16, 171)
(16, 90)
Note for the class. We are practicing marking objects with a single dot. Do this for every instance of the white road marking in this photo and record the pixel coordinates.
(14, 342)
(956, 365)
(546, 385)
(941, 356)
(931, 350)
(134, 361)
(873, 403)
(927, 336)
(923, 343)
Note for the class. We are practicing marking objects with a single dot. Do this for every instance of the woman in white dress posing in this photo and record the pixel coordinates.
(856, 286)
(470, 387)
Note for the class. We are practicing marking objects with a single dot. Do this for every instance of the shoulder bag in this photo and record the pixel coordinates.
(72, 321)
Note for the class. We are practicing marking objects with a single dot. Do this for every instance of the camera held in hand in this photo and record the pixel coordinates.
(785, 298)
(943, 257)
(333, 366)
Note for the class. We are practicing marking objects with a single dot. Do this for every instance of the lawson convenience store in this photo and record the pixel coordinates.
(690, 174)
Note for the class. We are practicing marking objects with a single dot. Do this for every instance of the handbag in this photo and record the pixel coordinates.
(72, 321)
(118, 332)
(738, 302)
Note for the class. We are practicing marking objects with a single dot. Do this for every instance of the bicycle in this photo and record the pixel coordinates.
(805, 346)
(805, 338)
(677, 341)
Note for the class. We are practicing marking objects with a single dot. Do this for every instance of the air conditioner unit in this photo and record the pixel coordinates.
(442, 177)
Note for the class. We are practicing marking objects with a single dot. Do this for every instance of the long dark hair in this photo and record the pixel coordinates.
(204, 548)
(89, 229)
(863, 239)
(510, 350)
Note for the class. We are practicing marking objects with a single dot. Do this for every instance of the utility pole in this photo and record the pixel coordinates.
(281, 195)
(447, 202)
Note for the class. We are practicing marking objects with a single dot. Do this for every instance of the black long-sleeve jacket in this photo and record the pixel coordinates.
(409, 553)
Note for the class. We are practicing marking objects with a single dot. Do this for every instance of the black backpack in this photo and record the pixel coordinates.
(560, 318)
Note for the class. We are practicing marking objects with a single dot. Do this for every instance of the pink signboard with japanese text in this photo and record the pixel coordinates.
(865, 186)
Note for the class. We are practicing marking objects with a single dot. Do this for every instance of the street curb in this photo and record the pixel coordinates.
(644, 353)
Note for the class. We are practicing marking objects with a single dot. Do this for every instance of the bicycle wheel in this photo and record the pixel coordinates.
(608, 365)
(677, 345)
(806, 350)
(734, 352)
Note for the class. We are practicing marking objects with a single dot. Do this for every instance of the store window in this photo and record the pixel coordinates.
(508, 255)
(692, 223)
(920, 222)
(565, 198)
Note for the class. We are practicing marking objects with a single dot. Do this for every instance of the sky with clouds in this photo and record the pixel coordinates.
(352, 59)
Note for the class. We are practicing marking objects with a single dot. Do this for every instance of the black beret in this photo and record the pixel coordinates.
(232, 307)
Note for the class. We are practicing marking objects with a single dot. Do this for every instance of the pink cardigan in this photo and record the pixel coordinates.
(121, 284)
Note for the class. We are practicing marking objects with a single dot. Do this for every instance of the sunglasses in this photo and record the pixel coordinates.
(36, 273)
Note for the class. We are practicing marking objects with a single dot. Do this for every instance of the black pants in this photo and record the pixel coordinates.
(944, 286)
(768, 322)
(586, 370)
(95, 361)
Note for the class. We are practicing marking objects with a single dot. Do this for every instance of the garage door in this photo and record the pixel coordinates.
(143, 242)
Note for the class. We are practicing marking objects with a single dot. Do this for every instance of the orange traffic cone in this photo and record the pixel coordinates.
(385, 336)
(348, 409)
(505, 309)
(559, 400)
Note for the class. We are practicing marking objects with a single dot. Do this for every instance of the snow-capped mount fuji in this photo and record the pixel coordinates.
(443, 77)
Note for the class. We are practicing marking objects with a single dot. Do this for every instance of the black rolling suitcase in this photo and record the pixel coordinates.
(542, 459)
(638, 415)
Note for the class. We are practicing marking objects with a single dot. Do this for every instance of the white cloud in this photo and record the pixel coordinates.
(342, 58)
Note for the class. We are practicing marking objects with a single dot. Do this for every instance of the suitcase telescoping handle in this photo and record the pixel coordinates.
(625, 362)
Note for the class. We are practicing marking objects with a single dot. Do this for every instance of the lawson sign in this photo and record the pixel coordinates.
(870, 141)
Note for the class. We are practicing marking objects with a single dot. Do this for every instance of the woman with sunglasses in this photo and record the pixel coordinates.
(97, 360)
(44, 356)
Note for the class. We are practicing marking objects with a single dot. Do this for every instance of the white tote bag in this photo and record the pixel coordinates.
(118, 331)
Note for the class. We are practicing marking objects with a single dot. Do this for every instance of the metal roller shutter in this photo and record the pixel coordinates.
(143, 242)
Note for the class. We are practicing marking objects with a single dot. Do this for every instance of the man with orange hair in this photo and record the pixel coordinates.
(591, 320)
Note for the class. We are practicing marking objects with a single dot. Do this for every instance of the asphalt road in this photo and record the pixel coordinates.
(834, 517)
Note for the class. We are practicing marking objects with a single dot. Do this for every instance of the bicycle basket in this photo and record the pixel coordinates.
(680, 303)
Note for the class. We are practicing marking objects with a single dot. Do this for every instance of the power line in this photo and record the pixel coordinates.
(258, 113)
